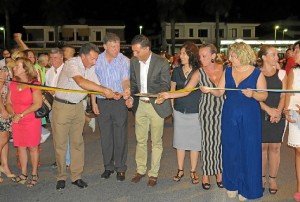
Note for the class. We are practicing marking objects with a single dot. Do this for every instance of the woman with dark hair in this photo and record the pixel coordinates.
(186, 112)
(272, 123)
(22, 102)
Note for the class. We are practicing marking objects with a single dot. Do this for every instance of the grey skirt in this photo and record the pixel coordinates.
(187, 133)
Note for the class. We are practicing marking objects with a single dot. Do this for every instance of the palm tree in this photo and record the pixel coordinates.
(8, 7)
(217, 8)
(56, 13)
(172, 11)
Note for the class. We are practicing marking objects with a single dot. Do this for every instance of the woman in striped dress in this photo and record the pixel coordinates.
(210, 108)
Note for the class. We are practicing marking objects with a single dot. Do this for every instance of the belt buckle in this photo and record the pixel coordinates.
(146, 101)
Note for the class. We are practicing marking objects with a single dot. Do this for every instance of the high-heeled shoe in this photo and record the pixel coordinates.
(11, 175)
(194, 177)
(271, 190)
(178, 177)
(219, 184)
(205, 186)
(264, 181)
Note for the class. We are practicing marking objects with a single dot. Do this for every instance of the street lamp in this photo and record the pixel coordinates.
(3, 29)
(285, 30)
(141, 27)
(276, 27)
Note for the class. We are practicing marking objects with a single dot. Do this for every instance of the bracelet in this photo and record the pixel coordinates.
(21, 115)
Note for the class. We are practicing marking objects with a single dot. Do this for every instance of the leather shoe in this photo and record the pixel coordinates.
(120, 176)
(152, 181)
(106, 174)
(60, 185)
(137, 177)
(80, 183)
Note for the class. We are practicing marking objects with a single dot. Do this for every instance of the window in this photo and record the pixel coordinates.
(221, 33)
(246, 32)
(51, 36)
(35, 34)
(98, 36)
(177, 33)
(234, 33)
(191, 32)
(202, 33)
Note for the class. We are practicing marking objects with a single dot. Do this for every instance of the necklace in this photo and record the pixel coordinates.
(238, 68)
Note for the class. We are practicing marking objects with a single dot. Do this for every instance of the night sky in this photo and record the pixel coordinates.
(144, 12)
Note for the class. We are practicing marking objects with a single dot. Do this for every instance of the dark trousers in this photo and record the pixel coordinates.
(113, 124)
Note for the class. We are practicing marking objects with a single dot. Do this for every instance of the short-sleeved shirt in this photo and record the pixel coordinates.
(52, 76)
(74, 67)
(112, 74)
(187, 104)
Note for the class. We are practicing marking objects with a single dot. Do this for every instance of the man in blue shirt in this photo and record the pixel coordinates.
(113, 71)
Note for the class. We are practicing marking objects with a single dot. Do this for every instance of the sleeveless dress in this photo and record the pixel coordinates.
(241, 138)
(272, 132)
(294, 128)
(27, 132)
(5, 124)
(210, 110)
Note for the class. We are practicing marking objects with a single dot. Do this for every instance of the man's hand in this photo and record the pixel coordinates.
(129, 102)
(117, 96)
(108, 93)
(126, 94)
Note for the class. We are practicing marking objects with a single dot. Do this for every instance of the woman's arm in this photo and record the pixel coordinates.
(37, 103)
(191, 84)
(290, 81)
(259, 96)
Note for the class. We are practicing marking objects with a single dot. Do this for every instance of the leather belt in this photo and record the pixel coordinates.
(64, 101)
(146, 101)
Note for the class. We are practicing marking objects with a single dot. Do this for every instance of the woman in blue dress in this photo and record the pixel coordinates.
(241, 123)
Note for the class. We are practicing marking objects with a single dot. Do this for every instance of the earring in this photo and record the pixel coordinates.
(212, 61)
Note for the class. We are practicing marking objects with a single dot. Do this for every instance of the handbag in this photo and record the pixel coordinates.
(46, 105)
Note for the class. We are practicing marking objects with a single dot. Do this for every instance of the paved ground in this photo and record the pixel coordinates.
(111, 190)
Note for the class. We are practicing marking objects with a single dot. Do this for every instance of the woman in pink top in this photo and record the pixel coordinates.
(22, 102)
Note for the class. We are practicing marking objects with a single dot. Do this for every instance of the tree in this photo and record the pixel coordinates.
(8, 7)
(217, 8)
(172, 11)
(56, 13)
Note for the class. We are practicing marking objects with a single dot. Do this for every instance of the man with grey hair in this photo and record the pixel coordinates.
(68, 112)
(112, 69)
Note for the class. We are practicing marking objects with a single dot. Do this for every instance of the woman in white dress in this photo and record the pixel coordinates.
(292, 114)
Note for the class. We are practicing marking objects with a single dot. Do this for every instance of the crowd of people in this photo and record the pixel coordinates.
(236, 122)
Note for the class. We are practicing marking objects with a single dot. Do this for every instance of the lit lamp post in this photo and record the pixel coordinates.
(3, 29)
(141, 27)
(276, 27)
(283, 31)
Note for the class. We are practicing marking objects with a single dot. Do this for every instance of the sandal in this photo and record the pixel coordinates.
(194, 177)
(264, 181)
(21, 179)
(219, 184)
(271, 190)
(178, 177)
(205, 185)
(33, 181)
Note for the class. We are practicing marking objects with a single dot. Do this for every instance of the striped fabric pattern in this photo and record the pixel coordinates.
(210, 109)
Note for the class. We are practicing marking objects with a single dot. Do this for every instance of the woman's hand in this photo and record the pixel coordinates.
(248, 92)
(5, 114)
(288, 116)
(17, 117)
(205, 89)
